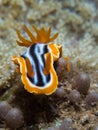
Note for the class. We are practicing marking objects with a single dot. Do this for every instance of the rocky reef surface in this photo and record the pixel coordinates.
(77, 24)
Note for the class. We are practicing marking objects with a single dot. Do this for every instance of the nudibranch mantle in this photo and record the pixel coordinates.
(37, 63)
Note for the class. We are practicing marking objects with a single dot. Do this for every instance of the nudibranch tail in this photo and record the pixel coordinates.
(43, 36)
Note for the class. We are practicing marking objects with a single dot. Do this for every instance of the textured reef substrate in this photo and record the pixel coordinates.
(77, 24)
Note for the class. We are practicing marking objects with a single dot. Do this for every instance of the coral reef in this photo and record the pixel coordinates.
(77, 24)
(74, 17)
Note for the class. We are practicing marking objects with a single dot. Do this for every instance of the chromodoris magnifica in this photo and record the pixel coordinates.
(37, 63)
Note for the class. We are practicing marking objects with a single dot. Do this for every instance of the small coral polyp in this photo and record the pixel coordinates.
(36, 64)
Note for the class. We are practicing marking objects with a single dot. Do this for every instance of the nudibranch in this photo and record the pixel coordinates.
(37, 63)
